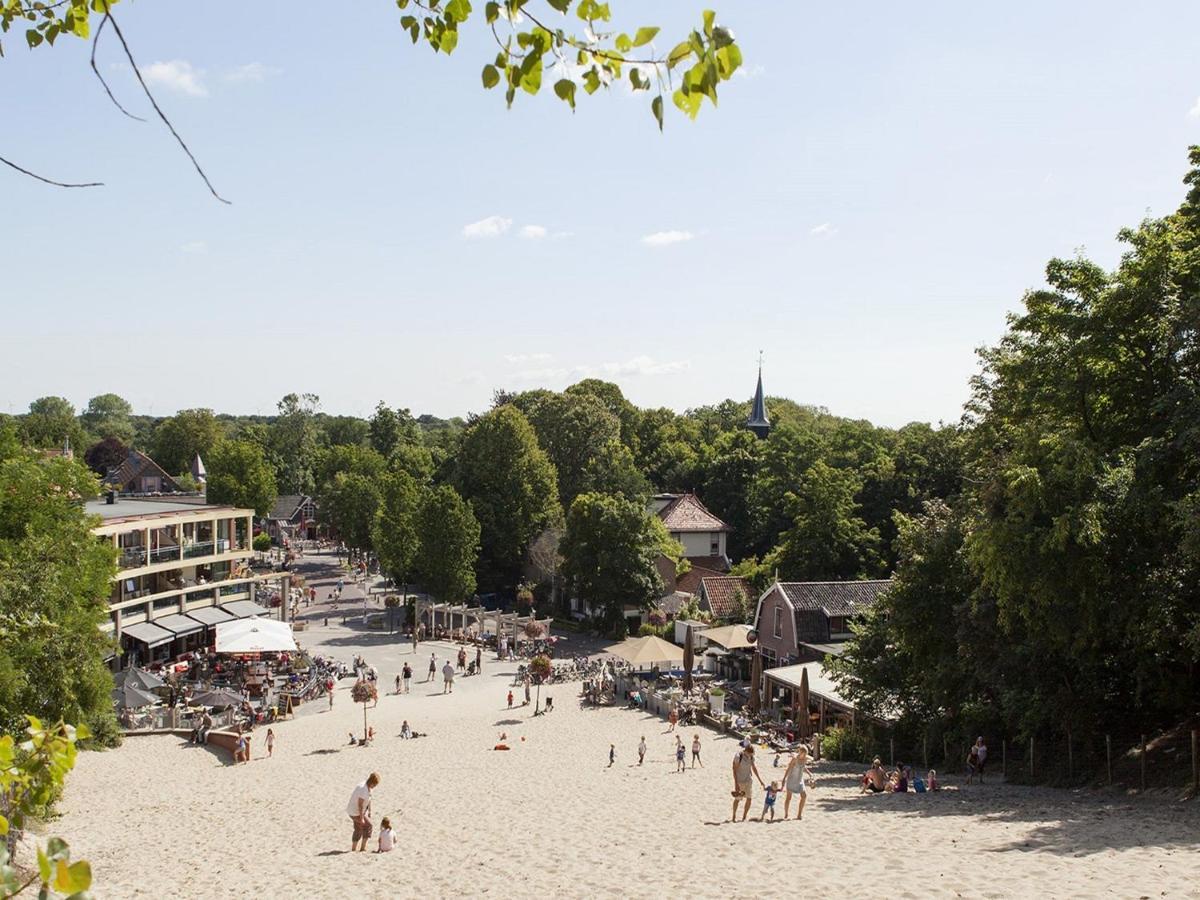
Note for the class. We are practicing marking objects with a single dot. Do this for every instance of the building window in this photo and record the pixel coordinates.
(714, 545)
(778, 622)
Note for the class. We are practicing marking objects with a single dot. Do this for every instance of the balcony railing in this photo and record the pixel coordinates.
(226, 589)
(132, 557)
(163, 554)
(204, 548)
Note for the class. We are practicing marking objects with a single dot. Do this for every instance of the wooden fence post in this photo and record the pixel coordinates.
(1108, 756)
(1031, 757)
(1143, 762)
(1196, 761)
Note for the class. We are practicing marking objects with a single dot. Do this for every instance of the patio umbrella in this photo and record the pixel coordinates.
(801, 715)
(130, 696)
(140, 678)
(647, 650)
(731, 637)
(254, 635)
(755, 700)
(217, 697)
(689, 660)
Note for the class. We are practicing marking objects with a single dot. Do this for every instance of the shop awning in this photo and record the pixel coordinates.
(181, 625)
(243, 609)
(210, 615)
(149, 634)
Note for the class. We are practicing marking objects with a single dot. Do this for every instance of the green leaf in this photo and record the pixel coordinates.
(644, 36)
(33, 38)
(656, 107)
(491, 12)
(709, 16)
(458, 10)
(591, 80)
(560, 5)
(689, 103)
(448, 41)
(623, 43)
(722, 37)
(564, 88)
(79, 877)
(678, 54)
(491, 77)
(531, 80)
(43, 866)
(728, 60)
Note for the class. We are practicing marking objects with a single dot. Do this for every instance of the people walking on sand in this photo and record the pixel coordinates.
(696, 750)
(642, 750)
(510, 699)
(397, 683)
(462, 659)
(672, 718)
(329, 690)
(680, 765)
(359, 810)
(527, 695)
(972, 763)
(795, 781)
(771, 793)
(432, 666)
(447, 678)
(270, 742)
(242, 753)
(478, 660)
(612, 754)
(744, 771)
(981, 754)
(406, 672)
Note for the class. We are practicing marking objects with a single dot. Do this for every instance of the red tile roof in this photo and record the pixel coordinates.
(718, 564)
(687, 513)
(722, 592)
(689, 581)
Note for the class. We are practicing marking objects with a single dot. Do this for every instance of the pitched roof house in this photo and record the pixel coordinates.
(700, 532)
(794, 617)
(139, 474)
(726, 597)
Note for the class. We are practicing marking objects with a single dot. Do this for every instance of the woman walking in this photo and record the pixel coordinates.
(795, 782)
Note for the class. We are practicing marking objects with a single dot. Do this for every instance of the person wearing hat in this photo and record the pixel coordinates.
(743, 769)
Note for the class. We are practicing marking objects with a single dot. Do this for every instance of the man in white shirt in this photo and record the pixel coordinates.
(981, 754)
(448, 675)
(359, 810)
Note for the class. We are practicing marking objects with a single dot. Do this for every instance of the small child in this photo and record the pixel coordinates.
(405, 730)
(931, 781)
(769, 801)
(510, 699)
(641, 750)
(612, 754)
(680, 765)
(270, 742)
(387, 837)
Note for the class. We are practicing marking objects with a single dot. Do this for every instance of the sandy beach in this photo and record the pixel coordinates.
(159, 817)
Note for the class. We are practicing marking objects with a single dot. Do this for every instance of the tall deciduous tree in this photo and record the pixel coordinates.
(108, 415)
(179, 438)
(511, 485)
(396, 534)
(238, 475)
(573, 429)
(51, 423)
(350, 505)
(449, 544)
(609, 553)
(293, 438)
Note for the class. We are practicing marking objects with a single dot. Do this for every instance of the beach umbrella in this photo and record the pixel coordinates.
(801, 715)
(731, 637)
(689, 660)
(647, 650)
(255, 635)
(130, 696)
(147, 681)
(217, 697)
(755, 700)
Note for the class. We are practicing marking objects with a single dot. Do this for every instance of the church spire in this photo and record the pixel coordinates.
(759, 422)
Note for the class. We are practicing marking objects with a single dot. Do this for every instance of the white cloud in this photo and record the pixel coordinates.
(195, 247)
(522, 358)
(1195, 110)
(533, 232)
(664, 238)
(638, 366)
(254, 71)
(492, 226)
(176, 75)
(750, 72)
(825, 228)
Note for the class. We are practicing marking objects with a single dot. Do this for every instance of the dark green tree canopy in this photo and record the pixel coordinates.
(238, 475)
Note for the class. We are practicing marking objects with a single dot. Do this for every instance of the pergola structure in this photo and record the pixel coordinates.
(454, 616)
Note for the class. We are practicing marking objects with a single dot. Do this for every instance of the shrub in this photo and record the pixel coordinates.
(262, 542)
(844, 744)
(649, 630)
(658, 618)
(717, 692)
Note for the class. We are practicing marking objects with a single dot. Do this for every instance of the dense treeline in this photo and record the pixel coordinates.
(1059, 592)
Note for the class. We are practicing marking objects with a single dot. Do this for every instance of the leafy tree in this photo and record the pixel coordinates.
(238, 475)
(262, 542)
(54, 587)
(827, 540)
(511, 485)
(449, 544)
(731, 466)
(609, 553)
(347, 430)
(108, 416)
(390, 428)
(350, 506)
(179, 438)
(51, 423)
(613, 471)
(396, 535)
(345, 459)
(573, 429)
(293, 437)
(105, 454)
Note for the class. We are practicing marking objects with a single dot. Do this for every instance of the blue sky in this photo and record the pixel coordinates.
(871, 198)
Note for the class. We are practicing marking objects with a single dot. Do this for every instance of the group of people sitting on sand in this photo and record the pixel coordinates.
(878, 780)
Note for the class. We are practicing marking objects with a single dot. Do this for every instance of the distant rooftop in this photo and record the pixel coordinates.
(136, 507)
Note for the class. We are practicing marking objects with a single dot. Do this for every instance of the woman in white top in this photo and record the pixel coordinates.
(794, 782)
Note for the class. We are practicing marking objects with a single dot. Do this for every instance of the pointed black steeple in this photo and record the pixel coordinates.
(759, 422)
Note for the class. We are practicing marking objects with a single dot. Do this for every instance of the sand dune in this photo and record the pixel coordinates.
(160, 818)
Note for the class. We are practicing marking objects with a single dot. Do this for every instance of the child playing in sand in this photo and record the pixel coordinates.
(931, 781)
(680, 765)
(769, 801)
(405, 730)
(387, 837)
(612, 754)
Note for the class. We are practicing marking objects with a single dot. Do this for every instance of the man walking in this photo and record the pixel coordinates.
(432, 666)
(448, 678)
(406, 673)
(478, 660)
(359, 809)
